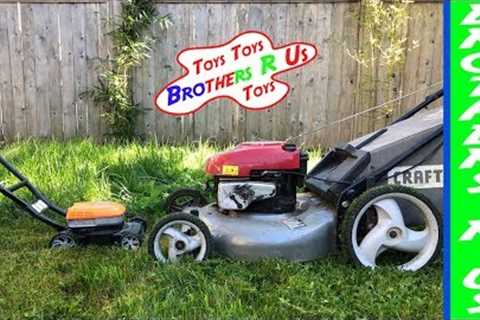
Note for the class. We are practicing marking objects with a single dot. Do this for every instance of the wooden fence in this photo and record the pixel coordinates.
(50, 51)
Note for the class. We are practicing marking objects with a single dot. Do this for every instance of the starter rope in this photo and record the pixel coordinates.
(362, 112)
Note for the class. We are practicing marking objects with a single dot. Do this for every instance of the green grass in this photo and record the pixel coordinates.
(103, 282)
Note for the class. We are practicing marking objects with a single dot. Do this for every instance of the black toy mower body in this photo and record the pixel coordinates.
(83, 222)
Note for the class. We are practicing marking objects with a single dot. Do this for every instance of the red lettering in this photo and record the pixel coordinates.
(235, 51)
(304, 55)
(258, 91)
(288, 55)
(197, 65)
(209, 85)
(230, 78)
(247, 50)
(208, 65)
(247, 92)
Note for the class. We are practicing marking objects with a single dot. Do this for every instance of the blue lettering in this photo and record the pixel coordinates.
(201, 91)
(173, 94)
(176, 93)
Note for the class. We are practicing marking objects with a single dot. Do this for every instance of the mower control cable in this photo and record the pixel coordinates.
(334, 123)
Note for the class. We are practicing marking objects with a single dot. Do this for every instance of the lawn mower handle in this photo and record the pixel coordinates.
(425, 103)
(9, 192)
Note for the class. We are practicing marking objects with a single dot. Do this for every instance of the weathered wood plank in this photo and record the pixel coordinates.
(264, 118)
(320, 91)
(42, 81)
(334, 73)
(414, 72)
(199, 37)
(167, 68)
(436, 65)
(294, 77)
(241, 120)
(278, 32)
(29, 68)
(8, 119)
(186, 122)
(54, 73)
(80, 68)
(214, 37)
(292, 105)
(226, 106)
(15, 35)
(426, 50)
(140, 95)
(437, 55)
(67, 79)
(92, 44)
(103, 47)
(346, 105)
(308, 106)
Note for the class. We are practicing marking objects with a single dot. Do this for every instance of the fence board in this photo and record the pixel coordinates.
(278, 32)
(16, 59)
(168, 68)
(53, 50)
(199, 36)
(8, 118)
(92, 56)
(54, 73)
(67, 72)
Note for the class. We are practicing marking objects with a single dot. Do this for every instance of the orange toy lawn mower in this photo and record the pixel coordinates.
(81, 223)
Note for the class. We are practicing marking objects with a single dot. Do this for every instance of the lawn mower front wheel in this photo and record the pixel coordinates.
(180, 235)
(376, 222)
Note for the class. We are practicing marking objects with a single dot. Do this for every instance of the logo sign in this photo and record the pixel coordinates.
(465, 160)
(421, 177)
(243, 69)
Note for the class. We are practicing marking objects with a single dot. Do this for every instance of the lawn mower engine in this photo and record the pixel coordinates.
(257, 213)
(261, 177)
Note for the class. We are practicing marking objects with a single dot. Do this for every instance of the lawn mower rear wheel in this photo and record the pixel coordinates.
(180, 199)
(375, 228)
(130, 241)
(63, 240)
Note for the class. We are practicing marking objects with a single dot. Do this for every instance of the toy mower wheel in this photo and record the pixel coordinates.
(391, 225)
(179, 235)
(63, 240)
(178, 200)
(130, 241)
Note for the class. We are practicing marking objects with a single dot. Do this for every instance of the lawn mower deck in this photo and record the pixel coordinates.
(305, 234)
(354, 194)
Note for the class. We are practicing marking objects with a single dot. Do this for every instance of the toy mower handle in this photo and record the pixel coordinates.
(12, 169)
(9, 192)
(23, 180)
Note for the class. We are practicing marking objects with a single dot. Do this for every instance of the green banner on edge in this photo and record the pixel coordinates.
(465, 159)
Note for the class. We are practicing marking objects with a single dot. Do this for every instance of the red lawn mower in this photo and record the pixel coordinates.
(377, 197)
